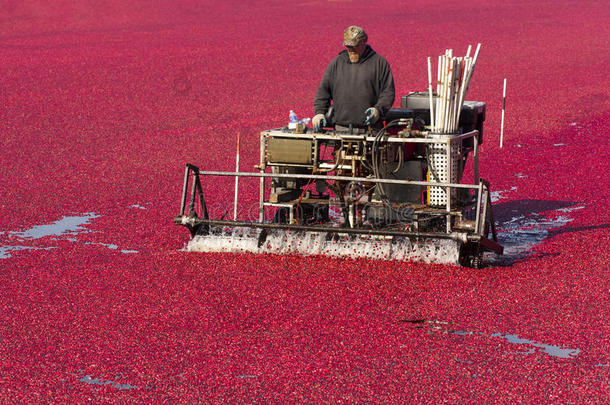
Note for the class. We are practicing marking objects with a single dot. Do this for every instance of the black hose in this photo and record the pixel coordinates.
(375, 155)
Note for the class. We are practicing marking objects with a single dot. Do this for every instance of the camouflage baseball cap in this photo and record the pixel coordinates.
(353, 35)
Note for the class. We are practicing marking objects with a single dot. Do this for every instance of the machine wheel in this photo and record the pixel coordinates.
(471, 256)
(477, 261)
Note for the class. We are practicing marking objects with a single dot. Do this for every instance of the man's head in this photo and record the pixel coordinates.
(354, 39)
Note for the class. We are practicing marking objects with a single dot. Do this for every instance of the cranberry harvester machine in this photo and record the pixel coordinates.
(397, 192)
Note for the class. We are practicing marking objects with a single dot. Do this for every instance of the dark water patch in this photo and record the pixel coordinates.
(112, 246)
(534, 347)
(98, 381)
(500, 195)
(64, 226)
(551, 350)
(63, 229)
(5, 251)
(414, 321)
(462, 332)
(427, 323)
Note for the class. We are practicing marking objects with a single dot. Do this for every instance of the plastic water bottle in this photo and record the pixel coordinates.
(293, 117)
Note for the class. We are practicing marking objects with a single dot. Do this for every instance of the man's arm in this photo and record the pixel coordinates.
(387, 91)
(321, 102)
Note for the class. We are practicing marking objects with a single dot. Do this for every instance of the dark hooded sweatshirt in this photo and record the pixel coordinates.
(354, 87)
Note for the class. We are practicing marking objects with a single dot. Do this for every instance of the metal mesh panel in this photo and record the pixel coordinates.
(440, 171)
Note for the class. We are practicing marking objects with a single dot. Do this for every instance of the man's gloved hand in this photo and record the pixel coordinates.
(318, 122)
(372, 115)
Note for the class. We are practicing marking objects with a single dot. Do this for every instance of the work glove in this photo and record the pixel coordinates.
(372, 115)
(318, 122)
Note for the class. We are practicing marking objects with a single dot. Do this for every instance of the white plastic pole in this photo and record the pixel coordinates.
(448, 92)
(455, 62)
(473, 63)
(236, 180)
(438, 93)
(453, 79)
(441, 109)
(464, 85)
(458, 94)
(441, 95)
(450, 81)
(503, 107)
(430, 93)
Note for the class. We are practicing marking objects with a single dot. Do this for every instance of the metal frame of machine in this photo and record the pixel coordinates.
(360, 181)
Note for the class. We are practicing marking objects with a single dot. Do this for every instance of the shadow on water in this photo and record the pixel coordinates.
(524, 224)
(569, 229)
(506, 211)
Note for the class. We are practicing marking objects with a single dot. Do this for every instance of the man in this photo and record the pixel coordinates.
(358, 81)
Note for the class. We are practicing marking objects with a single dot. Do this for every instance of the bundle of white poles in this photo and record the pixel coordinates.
(454, 74)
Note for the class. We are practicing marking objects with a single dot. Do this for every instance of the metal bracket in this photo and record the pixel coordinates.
(196, 190)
